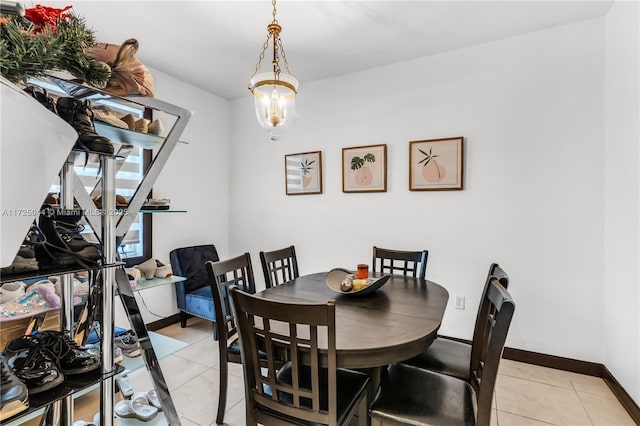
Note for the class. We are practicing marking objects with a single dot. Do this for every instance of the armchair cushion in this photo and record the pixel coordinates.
(189, 262)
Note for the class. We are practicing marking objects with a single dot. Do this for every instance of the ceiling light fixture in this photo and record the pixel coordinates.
(274, 91)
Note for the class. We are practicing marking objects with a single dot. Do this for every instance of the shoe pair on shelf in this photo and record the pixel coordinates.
(124, 341)
(80, 116)
(156, 204)
(41, 360)
(63, 243)
(144, 125)
(154, 268)
(25, 260)
(121, 202)
(38, 298)
(15, 394)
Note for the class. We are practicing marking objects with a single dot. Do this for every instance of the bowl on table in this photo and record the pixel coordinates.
(336, 282)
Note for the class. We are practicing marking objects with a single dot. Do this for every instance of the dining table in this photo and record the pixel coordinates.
(394, 323)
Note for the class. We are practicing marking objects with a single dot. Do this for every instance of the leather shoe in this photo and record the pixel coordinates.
(32, 364)
(70, 357)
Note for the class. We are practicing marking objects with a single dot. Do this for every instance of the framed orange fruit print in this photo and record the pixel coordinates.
(364, 168)
(436, 164)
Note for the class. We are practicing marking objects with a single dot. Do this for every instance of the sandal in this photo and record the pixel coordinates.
(138, 407)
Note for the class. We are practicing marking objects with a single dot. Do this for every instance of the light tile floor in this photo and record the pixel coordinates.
(525, 394)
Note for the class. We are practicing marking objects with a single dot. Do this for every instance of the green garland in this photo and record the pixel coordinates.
(26, 51)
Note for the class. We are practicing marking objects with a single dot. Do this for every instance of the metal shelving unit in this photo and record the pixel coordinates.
(110, 227)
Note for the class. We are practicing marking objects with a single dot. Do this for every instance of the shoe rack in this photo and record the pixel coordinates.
(110, 227)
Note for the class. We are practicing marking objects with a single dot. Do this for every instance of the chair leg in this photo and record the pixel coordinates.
(363, 412)
(215, 331)
(183, 319)
(222, 396)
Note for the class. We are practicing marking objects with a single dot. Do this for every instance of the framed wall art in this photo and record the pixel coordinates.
(364, 168)
(303, 173)
(436, 164)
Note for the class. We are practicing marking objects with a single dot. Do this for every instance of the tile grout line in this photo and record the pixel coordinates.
(528, 418)
(581, 402)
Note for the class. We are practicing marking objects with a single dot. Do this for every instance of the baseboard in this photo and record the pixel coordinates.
(625, 399)
(164, 322)
(552, 361)
(575, 366)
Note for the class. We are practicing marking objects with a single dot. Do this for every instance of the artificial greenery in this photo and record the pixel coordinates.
(31, 47)
(357, 162)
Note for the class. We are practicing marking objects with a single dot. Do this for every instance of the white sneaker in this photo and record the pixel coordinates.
(11, 291)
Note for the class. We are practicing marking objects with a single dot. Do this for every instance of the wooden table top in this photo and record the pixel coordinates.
(395, 323)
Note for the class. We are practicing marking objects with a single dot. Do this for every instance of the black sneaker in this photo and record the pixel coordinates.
(32, 364)
(25, 260)
(65, 245)
(70, 357)
(79, 115)
(15, 396)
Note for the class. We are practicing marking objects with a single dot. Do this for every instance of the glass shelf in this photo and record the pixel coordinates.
(163, 345)
(161, 211)
(144, 284)
(50, 271)
(138, 139)
(72, 385)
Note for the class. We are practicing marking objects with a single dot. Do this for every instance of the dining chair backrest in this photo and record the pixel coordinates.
(483, 317)
(410, 263)
(498, 307)
(295, 328)
(223, 274)
(279, 266)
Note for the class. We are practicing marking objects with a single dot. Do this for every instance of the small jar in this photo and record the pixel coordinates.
(363, 271)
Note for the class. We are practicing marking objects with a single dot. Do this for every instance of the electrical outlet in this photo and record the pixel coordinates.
(460, 302)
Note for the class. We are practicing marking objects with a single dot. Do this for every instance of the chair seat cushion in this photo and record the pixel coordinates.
(200, 303)
(351, 386)
(445, 356)
(413, 396)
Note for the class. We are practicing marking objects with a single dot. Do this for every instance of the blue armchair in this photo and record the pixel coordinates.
(194, 295)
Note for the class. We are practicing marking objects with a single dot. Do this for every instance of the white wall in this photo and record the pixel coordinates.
(622, 187)
(195, 179)
(531, 111)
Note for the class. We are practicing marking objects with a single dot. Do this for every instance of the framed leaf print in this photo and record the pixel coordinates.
(364, 168)
(436, 164)
(303, 173)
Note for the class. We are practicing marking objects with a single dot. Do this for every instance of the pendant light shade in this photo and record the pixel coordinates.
(274, 91)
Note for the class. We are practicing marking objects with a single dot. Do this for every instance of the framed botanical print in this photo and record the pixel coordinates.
(436, 164)
(303, 173)
(364, 168)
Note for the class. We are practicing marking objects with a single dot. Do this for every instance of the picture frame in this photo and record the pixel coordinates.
(436, 164)
(303, 173)
(364, 168)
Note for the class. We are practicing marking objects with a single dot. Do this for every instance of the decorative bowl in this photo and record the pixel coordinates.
(335, 277)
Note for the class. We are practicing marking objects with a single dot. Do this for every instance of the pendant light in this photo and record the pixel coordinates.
(275, 91)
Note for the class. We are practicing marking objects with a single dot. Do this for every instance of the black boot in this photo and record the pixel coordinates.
(25, 260)
(42, 97)
(65, 245)
(79, 115)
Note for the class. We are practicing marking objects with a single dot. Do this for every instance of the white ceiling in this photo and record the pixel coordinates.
(215, 45)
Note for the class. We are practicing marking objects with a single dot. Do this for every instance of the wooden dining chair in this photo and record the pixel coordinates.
(223, 274)
(453, 357)
(302, 392)
(279, 266)
(410, 263)
(411, 395)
